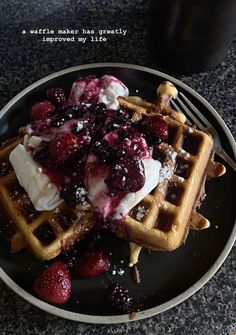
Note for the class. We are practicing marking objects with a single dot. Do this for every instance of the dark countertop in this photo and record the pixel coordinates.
(25, 59)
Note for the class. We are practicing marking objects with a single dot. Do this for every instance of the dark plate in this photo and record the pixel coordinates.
(167, 278)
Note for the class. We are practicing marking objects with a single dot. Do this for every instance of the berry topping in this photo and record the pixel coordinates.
(127, 175)
(56, 96)
(156, 126)
(63, 147)
(92, 263)
(41, 155)
(104, 152)
(89, 88)
(58, 121)
(41, 110)
(63, 105)
(54, 284)
(120, 298)
(74, 194)
(137, 147)
(101, 111)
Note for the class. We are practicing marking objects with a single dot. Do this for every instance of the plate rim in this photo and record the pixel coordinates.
(115, 319)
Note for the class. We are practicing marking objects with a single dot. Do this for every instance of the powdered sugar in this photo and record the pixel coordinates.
(166, 172)
(118, 271)
(141, 212)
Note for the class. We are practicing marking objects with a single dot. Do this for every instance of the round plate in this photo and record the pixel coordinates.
(167, 278)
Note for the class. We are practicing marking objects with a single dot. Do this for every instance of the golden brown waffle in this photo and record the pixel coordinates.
(46, 234)
(165, 92)
(162, 219)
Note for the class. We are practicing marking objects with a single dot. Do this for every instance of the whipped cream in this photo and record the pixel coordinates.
(99, 194)
(32, 142)
(105, 90)
(151, 168)
(43, 194)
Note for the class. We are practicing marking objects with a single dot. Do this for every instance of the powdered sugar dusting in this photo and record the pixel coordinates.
(141, 212)
(166, 171)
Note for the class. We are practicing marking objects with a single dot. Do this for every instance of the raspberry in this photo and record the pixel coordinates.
(92, 263)
(56, 96)
(156, 126)
(63, 147)
(41, 110)
(127, 175)
(74, 194)
(54, 284)
(120, 298)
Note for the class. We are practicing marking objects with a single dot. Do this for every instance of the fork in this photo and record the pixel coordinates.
(189, 109)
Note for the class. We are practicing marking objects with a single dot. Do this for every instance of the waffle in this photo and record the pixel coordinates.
(161, 221)
(45, 233)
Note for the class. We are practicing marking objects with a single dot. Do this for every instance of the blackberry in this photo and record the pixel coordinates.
(69, 114)
(55, 95)
(112, 126)
(74, 194)
(103, 152)
(98, 133)
(128, 132)
(58, 121)
(62, 116)
(100, 110)
(82, 127)
(127, 175)
(119, 297)
(76, 110)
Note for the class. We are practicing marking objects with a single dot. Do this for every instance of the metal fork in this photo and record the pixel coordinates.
(189, 109)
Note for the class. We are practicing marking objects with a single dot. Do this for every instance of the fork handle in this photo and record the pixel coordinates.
(226, 158)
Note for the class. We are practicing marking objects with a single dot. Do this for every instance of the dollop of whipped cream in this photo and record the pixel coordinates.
(105, 90)
(43, 194)
(116, 207)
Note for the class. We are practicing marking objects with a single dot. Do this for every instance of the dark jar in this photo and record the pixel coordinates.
(189, 36)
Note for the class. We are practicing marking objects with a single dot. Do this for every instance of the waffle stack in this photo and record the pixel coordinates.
(46, 234)
(161, 221)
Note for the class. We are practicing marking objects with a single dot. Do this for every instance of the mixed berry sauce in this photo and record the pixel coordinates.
(71, 131)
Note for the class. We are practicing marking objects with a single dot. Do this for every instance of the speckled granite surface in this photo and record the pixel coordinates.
(24, 59)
